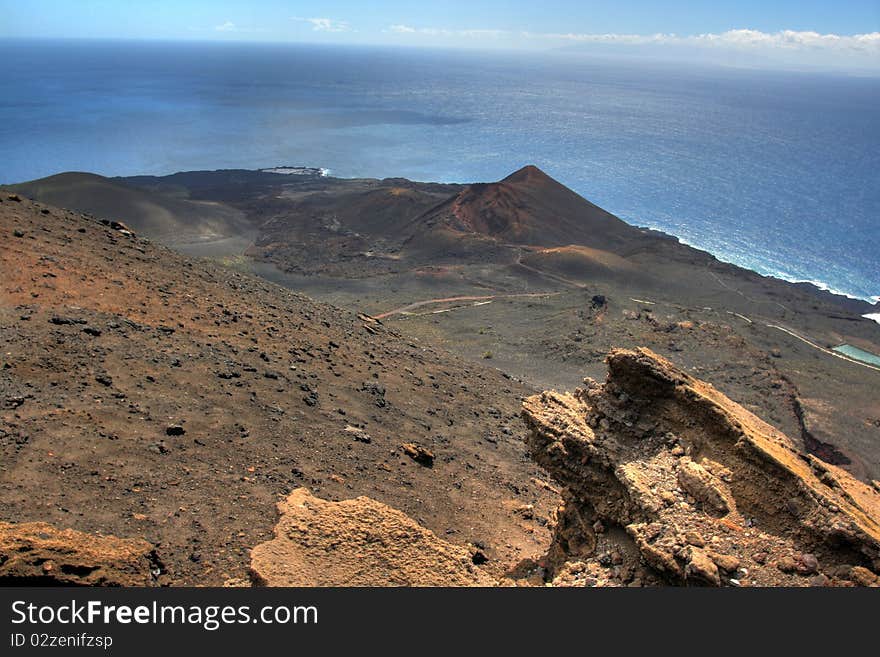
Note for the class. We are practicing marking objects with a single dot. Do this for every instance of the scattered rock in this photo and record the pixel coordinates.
(807, 564)
(121, 227)
(702, 485)
(787, 565)
(358, 434)
(701, 568)
(820, 580)
(863, 577)
(377, 391)
(62, 321)
(726, 562)
(419, 454)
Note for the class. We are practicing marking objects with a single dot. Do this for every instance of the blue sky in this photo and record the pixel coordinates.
(842, 33)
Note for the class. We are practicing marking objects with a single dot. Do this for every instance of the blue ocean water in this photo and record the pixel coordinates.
(778, 172)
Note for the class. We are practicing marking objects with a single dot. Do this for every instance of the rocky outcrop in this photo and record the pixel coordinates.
(357, 542)
(36, 553)
(666, 480)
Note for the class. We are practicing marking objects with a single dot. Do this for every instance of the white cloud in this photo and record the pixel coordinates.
(441, 32)
(230, 27)
(325, 24)
(740, 39)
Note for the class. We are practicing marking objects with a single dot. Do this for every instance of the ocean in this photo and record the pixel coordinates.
(777, 172)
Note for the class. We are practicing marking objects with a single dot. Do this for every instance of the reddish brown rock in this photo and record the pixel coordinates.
(357, 542)
(419, 454)
(38, 553)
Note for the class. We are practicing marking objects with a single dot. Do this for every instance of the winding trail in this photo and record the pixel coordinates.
(428, 302)
(553, 277)
(823, 349)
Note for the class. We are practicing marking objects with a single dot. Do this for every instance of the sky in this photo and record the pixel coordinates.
(813, 33)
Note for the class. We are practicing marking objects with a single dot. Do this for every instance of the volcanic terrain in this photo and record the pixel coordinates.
(149, 395)
(171, 404)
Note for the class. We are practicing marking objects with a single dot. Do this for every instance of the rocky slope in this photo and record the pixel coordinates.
(666, 480)
(148, 395)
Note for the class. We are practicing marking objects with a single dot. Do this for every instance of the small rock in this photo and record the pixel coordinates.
(526, 511)
(820, 580)
(121, 227)
(693, 538)
(702, 485)
(175, 430)
(726, 562)
(863, 576)
(701, 567)
(479, 557)
(786, 565)
(359, 434)
(419, 454)
(808, 564)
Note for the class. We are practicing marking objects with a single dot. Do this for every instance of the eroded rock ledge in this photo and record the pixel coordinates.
(666, 480)
(37, 553)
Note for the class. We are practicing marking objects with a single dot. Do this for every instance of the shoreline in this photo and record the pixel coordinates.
(872, 301)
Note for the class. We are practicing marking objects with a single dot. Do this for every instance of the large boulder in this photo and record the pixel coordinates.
(357, 542)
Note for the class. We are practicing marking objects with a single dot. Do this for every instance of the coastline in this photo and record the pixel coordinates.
(867, 307)
(819, 285)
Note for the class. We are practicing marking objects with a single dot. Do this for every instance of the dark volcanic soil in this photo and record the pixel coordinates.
(148, 395)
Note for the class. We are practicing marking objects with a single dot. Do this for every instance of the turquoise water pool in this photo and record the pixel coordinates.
(858, 354)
